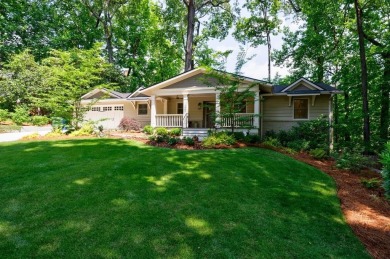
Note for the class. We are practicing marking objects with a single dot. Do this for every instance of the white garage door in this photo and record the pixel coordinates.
(109, 116)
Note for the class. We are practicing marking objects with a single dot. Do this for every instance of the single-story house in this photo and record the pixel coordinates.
(189, 102)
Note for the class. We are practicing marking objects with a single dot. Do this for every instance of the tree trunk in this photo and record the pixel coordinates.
(108, 35)
(269, 55)
(189, 65)
(320, 69)
(362, 50)
(385, 99)
(347, 135)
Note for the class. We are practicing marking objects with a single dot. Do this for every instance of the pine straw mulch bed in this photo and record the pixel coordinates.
(365, 210)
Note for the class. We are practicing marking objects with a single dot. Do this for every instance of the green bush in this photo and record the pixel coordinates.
(352, 160)
(4, 115)
(32, 136)
(306, 135)
(152, 138)
(88, 129)
(385, 159)
(172, 141)
(252, 139)
(370, 183)
(161, 139)
(189, 141)
(270, 141)
(54, 133)
(161, 132)
(239, 136)
(219, 138)
(148, 130)
(20, 116)
(318, 153)
(40, 120)
(175, 132)
(299, 145)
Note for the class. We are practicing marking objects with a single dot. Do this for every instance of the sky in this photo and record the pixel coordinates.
(258, 66)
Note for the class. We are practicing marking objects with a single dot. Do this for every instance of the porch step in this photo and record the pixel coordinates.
(200, 133)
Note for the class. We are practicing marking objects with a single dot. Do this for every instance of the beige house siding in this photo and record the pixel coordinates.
(278, 115)
(198, 80)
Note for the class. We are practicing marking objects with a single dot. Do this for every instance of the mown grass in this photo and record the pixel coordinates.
(114, 198)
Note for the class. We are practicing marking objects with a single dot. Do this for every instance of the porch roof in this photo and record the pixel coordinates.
(266, 86)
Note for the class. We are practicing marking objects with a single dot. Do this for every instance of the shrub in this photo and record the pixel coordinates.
(152, 138)
(20, 115)
(352, 160)
(175, 132)
(386, 169)
(161, 132)
(54, 133)
(148, 130)
(318, 153)
(4, 115)
(88, 129)
(273, 142)
(189, 141)
(239, 136)
(370, 183)
(128, 124)
(299, 145)
(172, 141)
(252, 139)
(32, 136)
(219, 138)
(40, 120)
(160, 139)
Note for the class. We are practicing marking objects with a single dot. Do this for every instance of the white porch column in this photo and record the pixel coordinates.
(217, 111)
(185, 110)
(153, 111)
(256, 119)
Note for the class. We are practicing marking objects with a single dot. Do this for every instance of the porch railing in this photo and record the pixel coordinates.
(169, 120)
(238, 120)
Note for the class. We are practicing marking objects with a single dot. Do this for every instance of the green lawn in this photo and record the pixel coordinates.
(114, 198)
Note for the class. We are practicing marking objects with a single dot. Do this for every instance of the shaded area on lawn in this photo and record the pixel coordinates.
(117, 198)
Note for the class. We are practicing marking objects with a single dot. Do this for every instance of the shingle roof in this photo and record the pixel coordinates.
(323, 86)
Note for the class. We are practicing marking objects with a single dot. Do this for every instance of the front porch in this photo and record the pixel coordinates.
(202, 111)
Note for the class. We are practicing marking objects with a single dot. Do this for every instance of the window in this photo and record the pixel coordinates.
(180, 108)
(301, 108)
(95, 109)
(142, 109)
(118, 108)
(107, 108)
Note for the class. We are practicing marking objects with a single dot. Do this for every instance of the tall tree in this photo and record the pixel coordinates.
(220, 17)
(104, 12)
(364, 74)
(262, 23)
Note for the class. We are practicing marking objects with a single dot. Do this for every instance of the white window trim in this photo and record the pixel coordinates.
(308, 109)
(147, 110)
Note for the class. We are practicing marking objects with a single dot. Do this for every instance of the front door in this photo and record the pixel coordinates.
(208, 114)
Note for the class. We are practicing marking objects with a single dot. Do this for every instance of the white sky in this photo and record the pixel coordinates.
(258, 66)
